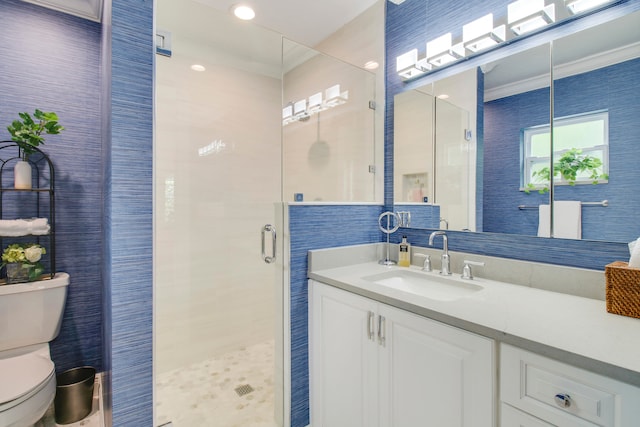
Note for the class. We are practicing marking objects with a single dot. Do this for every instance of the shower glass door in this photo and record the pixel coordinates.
(218, 306)
(453, 163)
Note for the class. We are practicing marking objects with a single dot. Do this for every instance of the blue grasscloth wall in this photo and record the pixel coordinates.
(103, 162)
(587, 92)
(128, 198)
(315, 227)
(51, 61)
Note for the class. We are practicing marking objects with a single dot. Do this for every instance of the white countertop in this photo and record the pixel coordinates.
(574, 329)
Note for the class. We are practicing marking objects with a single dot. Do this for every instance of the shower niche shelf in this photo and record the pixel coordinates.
(38, 202)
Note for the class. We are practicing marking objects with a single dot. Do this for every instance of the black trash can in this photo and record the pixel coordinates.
(74, 394)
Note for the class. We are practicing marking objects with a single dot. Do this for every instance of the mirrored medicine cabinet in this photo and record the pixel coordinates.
(474, 151)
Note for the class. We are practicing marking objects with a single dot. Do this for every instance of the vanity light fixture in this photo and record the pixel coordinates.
(244, 12)
(300, 109)
(579, 6)
(287, 114)
(480, 34)
(440, 52)
(524, 16)
(408, 66)
(315, 102)
(334, 97)
(303, 110)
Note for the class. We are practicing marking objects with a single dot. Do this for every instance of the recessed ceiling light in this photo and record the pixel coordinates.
(371, 65)
(443, 96)
(244, 12)
(198, 67)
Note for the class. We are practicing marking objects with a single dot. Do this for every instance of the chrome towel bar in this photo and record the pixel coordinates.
(603, 203)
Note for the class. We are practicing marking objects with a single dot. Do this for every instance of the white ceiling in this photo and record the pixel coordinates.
(304, 21)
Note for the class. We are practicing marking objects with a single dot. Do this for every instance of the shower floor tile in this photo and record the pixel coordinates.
(214, 393)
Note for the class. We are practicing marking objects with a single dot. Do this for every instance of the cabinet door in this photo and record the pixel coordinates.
(343, 358)
(434, 375)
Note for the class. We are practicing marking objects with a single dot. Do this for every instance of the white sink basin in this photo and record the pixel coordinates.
(428, 285)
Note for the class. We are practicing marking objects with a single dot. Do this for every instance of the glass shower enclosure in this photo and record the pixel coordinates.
(245, 121)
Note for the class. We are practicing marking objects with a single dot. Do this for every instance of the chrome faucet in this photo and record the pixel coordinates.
(446, 267)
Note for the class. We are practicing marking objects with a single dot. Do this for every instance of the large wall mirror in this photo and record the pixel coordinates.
(476, 150)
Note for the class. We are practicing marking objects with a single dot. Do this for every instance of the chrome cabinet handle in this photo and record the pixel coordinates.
(269, 259)
(563, 400)
(381, 330)
(371, 326)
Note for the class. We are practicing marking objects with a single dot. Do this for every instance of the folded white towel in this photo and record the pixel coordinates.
(634, 261)
(24, 227)
(567, 220)
(544, 221)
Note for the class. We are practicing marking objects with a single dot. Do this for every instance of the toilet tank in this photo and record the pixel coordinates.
(31, 313)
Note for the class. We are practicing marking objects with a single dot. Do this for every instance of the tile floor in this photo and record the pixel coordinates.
(94, 419)
(204, 394)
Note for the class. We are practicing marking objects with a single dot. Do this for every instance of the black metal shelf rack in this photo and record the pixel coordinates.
(39, 201)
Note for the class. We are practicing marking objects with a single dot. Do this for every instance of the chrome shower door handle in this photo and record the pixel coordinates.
(269, 259)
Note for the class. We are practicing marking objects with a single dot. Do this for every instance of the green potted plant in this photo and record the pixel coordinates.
(22, 261)
(568, 166)
(28, 134)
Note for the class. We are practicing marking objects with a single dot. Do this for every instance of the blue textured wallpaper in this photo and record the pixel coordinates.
(572, 253)
(504, 120)
(603, 89)
(103, 164)
(129, 213)
(51, 61)
(422, 216)
(316, 227)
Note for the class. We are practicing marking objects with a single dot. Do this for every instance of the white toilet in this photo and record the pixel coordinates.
(30, 317)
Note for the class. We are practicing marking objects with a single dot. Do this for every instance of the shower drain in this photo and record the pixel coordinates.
(244, 389)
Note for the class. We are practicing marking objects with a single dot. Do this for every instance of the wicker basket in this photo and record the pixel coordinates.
(623, 289)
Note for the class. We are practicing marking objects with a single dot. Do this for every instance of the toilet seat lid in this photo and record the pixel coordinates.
(21, 374)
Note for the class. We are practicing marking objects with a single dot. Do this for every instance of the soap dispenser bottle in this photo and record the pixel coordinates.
(404, 257)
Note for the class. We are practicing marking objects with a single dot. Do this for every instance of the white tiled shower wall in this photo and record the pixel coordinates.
(217, 174)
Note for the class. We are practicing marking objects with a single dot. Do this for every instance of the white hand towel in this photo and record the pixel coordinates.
(24, 227)
(634, 261)
(567, 220)
(544, 221)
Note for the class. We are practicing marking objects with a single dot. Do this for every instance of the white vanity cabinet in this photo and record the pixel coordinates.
(373, 365)
(550, 393)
